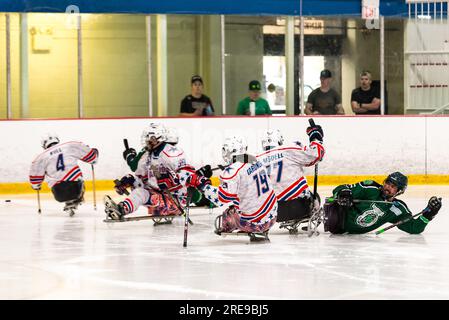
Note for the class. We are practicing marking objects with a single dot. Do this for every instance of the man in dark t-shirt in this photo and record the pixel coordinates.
(197, 103)
(366, 98)
(324, 100)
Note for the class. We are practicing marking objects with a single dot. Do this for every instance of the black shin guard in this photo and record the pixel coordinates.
(68, 191)
(296, 209)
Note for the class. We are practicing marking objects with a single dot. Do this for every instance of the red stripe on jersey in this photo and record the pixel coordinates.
(234, 173)
(290, 187)
(172, 156)
(232, 195)
(261, 208)
(304, 187)
(69, 173)
(76, 176)
(88, 155)
(267, 212)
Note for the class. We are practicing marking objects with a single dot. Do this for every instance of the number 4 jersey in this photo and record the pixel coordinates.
(60, 163)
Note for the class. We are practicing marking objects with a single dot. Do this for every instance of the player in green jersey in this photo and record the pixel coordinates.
(367, 205)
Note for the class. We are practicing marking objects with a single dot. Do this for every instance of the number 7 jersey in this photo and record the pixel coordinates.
(60, 163)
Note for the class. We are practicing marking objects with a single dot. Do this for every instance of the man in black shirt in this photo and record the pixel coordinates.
(366, 98)
(324, 100)
(196, 104)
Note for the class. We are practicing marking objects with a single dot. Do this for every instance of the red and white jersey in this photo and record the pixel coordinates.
(247, 187)
(165, 168)
(60, 163)
(285, 165)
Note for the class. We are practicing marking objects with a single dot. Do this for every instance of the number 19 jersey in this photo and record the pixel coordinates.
(248, 188)
(60, 163)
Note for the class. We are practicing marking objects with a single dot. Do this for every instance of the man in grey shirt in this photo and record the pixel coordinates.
(324, 100)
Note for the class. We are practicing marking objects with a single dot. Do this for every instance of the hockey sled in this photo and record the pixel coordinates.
(158, 220)
(310, 224)
(253, 236)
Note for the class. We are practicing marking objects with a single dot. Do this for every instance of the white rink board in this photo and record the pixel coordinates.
(354, 145)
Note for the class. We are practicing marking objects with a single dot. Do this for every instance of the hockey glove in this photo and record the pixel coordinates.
(315, 133)
(129, 154)
(197, 181)
(36, 187)
(124, 183)
(433, 207)
(344, 198)
(205, 171)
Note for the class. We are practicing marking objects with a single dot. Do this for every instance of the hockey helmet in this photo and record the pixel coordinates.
(172, 136)
(272, 138)
(399, 180)
(49, 140)
(233, 145)
(153, 135)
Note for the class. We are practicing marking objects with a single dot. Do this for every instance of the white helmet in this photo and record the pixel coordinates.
(48, 140)
(156, 130)
(273, 138)
(234, 145)
(172, 136)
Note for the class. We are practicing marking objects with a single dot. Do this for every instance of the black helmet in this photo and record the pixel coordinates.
(399, 180)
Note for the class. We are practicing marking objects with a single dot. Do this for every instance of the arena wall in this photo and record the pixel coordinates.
(356, 147)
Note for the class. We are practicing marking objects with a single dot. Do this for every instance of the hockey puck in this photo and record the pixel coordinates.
(7, 200)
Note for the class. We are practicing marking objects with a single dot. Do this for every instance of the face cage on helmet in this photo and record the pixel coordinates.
(400, 190)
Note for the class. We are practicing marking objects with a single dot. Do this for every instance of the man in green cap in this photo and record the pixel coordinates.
(254, 104)
(367, 205)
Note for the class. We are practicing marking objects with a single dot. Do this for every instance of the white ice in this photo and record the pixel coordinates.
(53, 256)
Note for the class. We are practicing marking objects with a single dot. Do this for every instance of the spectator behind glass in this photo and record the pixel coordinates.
(254, 104)
(366, 98)
(196, 104)
(324, 100)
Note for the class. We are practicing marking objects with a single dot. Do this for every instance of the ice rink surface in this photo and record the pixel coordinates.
(53, 256)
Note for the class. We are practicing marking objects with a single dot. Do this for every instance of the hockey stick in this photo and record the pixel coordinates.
(38, 202)
(401, 222)
(125, 141)
(178, 205)
(186, 223)
(93, 187)
(331, 199)
(315, 184)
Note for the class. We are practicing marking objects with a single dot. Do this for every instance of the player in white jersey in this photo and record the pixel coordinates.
(59, 163)
(245, 186)
(158, 181)
(285, 165)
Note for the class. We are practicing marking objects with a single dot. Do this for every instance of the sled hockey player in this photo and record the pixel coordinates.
(158, 181)
(246, 187)
(367, 205)
(59, 163)
(285, 166)
(133, 158)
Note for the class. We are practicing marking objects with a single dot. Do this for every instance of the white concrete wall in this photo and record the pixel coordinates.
(354, 145)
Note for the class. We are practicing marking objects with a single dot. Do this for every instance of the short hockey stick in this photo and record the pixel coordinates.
(38, 202)
(401, 222)
(186, 223)
(93, 187)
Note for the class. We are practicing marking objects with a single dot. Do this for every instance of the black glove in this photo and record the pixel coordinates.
(344, 198)
(129, 154)
(433, 207)
(205, 171)
(124, 183)
(315, 133)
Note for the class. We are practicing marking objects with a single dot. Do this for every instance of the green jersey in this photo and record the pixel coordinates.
(366, 217)
(262, 106)
(133, 162)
